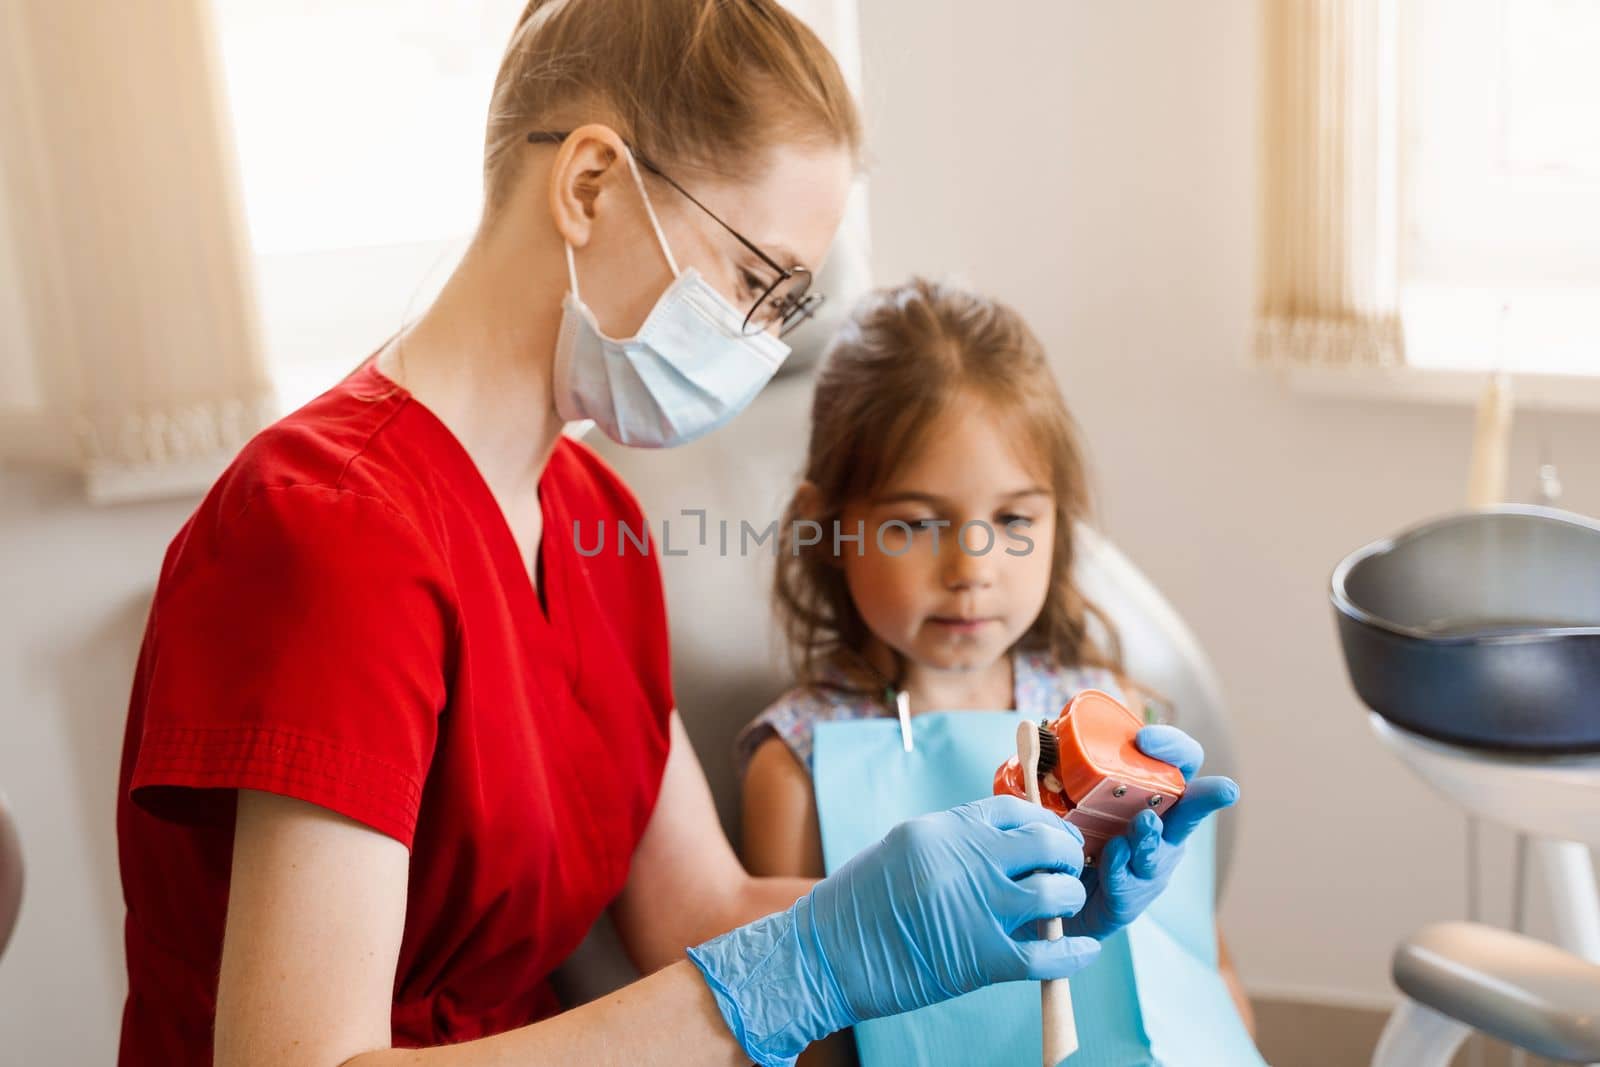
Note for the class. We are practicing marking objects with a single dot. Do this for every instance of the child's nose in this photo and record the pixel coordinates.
(967, 567)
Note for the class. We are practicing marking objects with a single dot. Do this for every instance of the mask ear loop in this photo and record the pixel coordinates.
(655, 224)
(572, 271)
(649, 209)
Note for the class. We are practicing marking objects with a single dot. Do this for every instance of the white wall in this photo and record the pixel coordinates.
(74, 585)
(1094, 164)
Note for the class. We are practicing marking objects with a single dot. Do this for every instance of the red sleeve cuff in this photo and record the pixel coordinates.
(174, 760)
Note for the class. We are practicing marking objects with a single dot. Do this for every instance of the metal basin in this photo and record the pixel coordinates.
(1480, 629)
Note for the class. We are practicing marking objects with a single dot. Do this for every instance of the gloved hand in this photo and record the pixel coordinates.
(1134, 869)
(943, 905)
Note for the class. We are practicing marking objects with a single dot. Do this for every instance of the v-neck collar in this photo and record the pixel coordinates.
(552, 613)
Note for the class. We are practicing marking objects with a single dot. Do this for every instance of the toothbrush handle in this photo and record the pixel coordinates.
(1055, 997)
(1055, 1005)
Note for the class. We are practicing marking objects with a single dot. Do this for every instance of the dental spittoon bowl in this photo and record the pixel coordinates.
(1480, 629)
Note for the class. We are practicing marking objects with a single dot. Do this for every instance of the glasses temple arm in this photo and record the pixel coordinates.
(556, 137)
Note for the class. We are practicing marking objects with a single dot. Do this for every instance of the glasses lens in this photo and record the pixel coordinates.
(802, 311)
(784, 303)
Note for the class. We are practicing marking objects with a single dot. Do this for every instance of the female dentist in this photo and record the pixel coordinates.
(393, 744)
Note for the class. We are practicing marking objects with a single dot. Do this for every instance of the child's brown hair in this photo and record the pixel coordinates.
(905, 354)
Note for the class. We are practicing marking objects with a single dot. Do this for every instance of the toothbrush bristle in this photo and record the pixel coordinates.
(1049, 751)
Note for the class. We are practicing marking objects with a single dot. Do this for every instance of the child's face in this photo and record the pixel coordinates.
(940, 606)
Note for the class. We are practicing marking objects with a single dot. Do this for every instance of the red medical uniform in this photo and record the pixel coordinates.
(346, 619)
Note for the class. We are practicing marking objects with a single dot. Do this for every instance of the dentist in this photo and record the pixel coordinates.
(394, 745)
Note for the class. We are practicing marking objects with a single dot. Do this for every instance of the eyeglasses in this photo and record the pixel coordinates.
(786, 302)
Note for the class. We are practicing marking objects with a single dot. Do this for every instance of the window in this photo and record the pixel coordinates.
(1500, 162)
(359, 129)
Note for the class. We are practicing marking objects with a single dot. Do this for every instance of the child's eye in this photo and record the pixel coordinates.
(1018, 520)
(910, 526)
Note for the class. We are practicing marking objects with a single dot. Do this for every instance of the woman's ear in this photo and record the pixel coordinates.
(587, 164)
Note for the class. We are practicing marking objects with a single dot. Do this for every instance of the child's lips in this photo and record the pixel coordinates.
(962, 624)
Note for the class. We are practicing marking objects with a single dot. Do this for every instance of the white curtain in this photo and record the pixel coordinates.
(1329, 284)
(132, 350)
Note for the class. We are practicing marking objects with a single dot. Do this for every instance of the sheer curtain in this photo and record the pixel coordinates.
(132, 352)
(1329, 283)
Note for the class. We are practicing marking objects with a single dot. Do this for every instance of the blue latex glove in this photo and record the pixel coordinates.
(1134, 869)
(943, 905)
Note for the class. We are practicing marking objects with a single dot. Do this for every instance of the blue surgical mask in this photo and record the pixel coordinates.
(688, 370)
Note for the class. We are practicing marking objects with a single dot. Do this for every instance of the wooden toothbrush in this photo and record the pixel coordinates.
(1055, 997)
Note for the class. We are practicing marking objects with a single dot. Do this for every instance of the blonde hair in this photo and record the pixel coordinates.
(902, 358)
(709, 84)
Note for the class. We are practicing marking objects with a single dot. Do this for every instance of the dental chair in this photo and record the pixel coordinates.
(727, 657)
(1461, 977)
(1475, 641)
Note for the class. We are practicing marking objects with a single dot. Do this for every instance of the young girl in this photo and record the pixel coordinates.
(937, 432)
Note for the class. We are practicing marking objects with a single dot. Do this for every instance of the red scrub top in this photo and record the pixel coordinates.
(346, 619)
